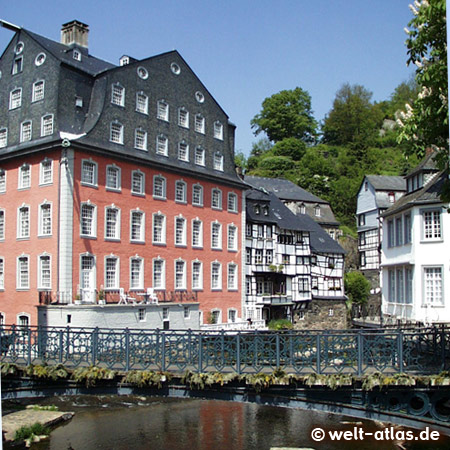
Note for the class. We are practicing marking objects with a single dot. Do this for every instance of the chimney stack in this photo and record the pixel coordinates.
(75, 33)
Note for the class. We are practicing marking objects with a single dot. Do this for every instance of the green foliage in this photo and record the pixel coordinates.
(202, 380)
(44, 408)
(240, 161)
(286, 114)
(146, 378)
(90, 375)
(46, 372)
(290, 147)
(280, 324)
(8, 369)
(379, 380)
(27, 433)
(357, 287)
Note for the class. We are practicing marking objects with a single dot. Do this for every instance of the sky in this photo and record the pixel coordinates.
(243, 50)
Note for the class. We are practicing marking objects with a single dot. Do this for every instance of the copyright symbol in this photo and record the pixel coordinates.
(318, 434)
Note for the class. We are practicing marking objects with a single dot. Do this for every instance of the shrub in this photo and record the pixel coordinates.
(280, 324)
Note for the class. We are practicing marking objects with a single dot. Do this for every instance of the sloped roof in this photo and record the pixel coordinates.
(387, 182)
(427, 164)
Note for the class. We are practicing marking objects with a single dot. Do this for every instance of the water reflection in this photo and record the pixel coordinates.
(124, 423)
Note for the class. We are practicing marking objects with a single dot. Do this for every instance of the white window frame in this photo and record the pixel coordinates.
(23, 283)
(160, 234)
(183, 117)
(199, 156)
(140, 139)
(26, 131)
(162, 110)
(118, 94)
(93, 220)
(115, 228)
(41, 269)
(162, 273)
(232, 202)
(17, 65)
(15, 98)
(429, 295)
(23, 222)
(197, 195)
(2, 224)
(216, 285)
(141, 103)
(116, 133)
(139, 285)
(199, 124)
(3, 137)
(216, 198)
(92, 180)
(180, 275)
(197, 275)
(117, 184)
(111, 283)
(183, 151)
(159, 187)
(180, 191)
(218, 130)
(140, 182)
(38, 91)
(46, 172)
(180, 227)
(162, 145)
(47, 125)
(216, 235)
(24, 176)
(218, 161)
(232, 237)
(435, 231)
(45, 223)
(232, 277)
(197, 238)
(2, 280)
(140, 235)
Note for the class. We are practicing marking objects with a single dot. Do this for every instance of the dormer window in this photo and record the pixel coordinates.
(124, 60)
(317, 211)
(391, 197)
(76, 54)
(302, 209)
(257, 209)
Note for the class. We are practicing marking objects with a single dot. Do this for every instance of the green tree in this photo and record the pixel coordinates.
(291, 147)
(357, 287)
(286, 114)
(240, 161)
(425, 122)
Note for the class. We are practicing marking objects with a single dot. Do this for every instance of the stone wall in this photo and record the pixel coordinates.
(322, 315)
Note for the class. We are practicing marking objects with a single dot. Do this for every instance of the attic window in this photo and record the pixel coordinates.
(199, 97)
(17, 65)
(40, 59)
(317, 211)
(257, 209)
(142, 73)
(76, 55)
(391, 197)
(19, 48)
(175, 68)
(78, 102)
(366, 185)
(266, 210)
(124, 60)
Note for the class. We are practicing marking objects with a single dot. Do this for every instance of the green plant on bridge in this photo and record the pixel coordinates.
(47, 372)
(90, 375)
(280, 324)
(143, 378)
(8, 369)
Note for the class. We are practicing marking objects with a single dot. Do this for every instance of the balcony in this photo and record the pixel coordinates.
(274, 299)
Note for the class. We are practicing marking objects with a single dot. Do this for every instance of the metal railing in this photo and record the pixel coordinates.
(424, 350)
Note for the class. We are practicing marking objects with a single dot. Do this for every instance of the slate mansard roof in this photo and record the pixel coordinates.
(90, 81)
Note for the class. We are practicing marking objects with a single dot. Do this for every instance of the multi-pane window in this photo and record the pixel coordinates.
(116, 133)
(248, 255)
(159, 229)
(44, 272)
(232, 316)
(112, 223)
(303, 284)
(118, 95)
(199, 124)
(15, 98)
(46, 172)
(218, 161)
(47, 125)
(399, 231)
(2, 224)
(218, 130)
(216, 276)
(433, 286)
(391, 233)
(407, 227)
(158, 274)
(197, 233)
(137, 227)
(23, 272)
(180, 274)
(197, 195)
(140, 139)
(25, 131)
(232, 276)
(88, 220)
(162, 111)
(141, 103)
(136, 273)
(197, 275)
(89, 172)
(38, 91)
(113, 177)
(111, 272)
(159, 187)
(232, 237)
(180, 191)
(259, 255)
(2, 284)
(183, 118)
(137, 182)
(431, 225)
(45, 219)
(216, 199)
(23, 222)
(183, 151)
(162, 145)
(199, 156)
(24, 176)
(216, 235)
(232, 202)
(180, 231)
(3, 137)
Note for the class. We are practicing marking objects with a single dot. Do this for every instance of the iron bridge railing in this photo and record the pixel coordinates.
(424, 350)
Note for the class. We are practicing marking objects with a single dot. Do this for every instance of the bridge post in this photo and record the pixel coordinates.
(400, 350)
(29, 345)
(222, 344)
(443, 346)
(277, 341)
(163, 352)
(238, 352)
(200, 353)
(94, 345)
(318, 362)
(127, 349)
(360, 353)
(61, 345)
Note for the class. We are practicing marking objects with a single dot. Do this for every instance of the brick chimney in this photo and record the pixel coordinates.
(75, 33)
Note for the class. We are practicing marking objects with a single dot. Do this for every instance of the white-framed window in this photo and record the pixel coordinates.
(40, 59)
(112, 222)
(136, 273)
(165, 313)
(137, 226)
(24, 176)
(137, 182)
(47, 125)
(433, 286)
(407, 228)
(23, 222)
(218, 161)
(218, 130)
(216, 316)
(44, 272)
(199, 124)
(159, 228)
(186, 312)
(23, 320)
(116, 133)
(180, 231)
(25, 131)
(197, 275)
(140, 139)
(111, 272)
(89, 172)
(2, 224)
(159, 273)
(88, 220)
(197, 233)
(232, 238)
(141, 103)
(113, 181)
(118, 95)
(159, 187)
(78, 102)
(216, 236)
(162, 110)
(180, 274)
(431, 228)
(162, 145)
(197, 195)
(199, 156)
(183, 151)
(183, 118)
(142, 314)
(317, 211)
(45, 219)
(76, 54)
(232, 280)
(232, 204)
(142, 72)
(216, 198)
(17, 65)
(2, 281)
(180, 191)
(3, 137)
(46, 172)
(303, 284)
(15, 98)
(23, 272)
(216, 276)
